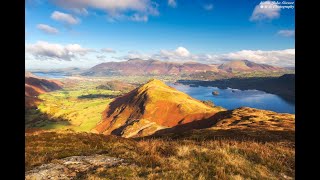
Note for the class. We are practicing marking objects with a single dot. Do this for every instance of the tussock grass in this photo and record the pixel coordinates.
(167, 158)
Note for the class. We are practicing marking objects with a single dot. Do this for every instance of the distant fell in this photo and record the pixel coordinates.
(146, 67)
(151, 107)
(245, 65)
(140, 67)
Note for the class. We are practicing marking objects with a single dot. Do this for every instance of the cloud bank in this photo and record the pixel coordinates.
(42, 50)
(282, 58)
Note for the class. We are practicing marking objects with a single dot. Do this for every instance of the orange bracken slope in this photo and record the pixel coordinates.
(149, 108)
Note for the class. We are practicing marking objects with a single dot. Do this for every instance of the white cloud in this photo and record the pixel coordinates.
(115, 9)
(172, 3)
(42, 50)
(263, 11)
(65, 18)
(108, 50)
(286, 33)
(47, 29)
(181, 51)
(284, 57)
(178, 54)
(276, 57)
(208, 7)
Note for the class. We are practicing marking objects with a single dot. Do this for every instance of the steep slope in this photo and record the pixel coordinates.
(152, 107)
(243, 123)
(35, 86)
(245, 65)
(146, 67)
(255, 119)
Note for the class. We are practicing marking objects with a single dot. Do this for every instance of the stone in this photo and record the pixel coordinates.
(71, 167)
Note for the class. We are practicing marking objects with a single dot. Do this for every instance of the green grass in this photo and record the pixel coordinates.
(79, 114)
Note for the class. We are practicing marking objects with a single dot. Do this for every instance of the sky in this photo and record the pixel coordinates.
(83, 33)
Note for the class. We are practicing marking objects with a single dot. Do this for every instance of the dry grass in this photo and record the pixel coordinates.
(168, 158)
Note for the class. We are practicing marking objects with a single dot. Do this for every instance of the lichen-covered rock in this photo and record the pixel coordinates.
(71, 167)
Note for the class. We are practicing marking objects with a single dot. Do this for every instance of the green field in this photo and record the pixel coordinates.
(78, 107)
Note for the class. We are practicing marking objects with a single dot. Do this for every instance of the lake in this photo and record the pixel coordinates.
(51, 75)
(234, 98)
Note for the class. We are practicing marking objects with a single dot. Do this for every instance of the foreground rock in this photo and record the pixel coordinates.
(71, 167)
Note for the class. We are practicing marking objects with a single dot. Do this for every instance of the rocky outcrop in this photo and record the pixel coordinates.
(71, 167)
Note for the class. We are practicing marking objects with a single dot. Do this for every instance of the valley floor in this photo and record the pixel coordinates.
(78, 106)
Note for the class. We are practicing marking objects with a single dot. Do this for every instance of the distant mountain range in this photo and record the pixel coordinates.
(245, 65)
(156, 67)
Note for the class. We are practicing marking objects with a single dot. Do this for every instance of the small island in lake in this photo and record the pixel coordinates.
(215, 93)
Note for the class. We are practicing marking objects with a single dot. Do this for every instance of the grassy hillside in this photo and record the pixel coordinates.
(78, 109)
(202, 154)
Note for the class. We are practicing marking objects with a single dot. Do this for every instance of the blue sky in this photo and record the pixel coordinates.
(65, 33)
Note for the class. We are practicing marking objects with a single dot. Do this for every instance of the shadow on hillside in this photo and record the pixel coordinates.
(198, 130)
(38, 120)
(94, 96)
(119, 101)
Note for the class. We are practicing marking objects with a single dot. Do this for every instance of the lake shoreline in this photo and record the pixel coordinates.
(232, 98)
(283, 86)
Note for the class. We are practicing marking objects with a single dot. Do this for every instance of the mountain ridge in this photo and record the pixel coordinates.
(246, 65)
(138, 66)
